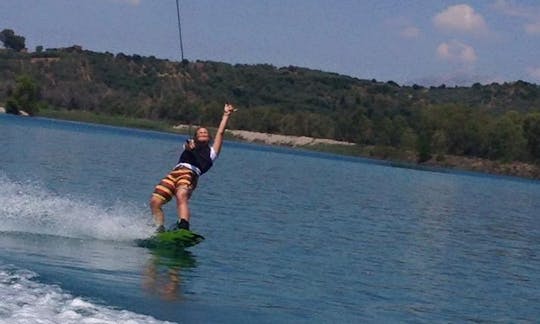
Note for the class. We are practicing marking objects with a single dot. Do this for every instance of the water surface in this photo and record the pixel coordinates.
(290, 236)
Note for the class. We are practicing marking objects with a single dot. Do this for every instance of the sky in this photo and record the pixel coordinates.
(427, 42)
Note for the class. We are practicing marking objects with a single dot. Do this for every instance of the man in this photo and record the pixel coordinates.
(196, 159)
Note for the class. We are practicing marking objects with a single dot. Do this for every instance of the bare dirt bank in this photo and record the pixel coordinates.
(273, 139)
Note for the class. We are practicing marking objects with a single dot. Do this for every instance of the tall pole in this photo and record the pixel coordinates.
(179, 29)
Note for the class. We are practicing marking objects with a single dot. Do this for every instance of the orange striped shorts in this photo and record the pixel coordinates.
(180, 178)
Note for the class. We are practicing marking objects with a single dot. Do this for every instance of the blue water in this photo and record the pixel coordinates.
(290, 236)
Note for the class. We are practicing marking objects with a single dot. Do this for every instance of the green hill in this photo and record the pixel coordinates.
(494, 121)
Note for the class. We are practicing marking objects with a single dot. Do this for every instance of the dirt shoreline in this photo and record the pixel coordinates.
(272, 139)
(516, 169)
(275, 139)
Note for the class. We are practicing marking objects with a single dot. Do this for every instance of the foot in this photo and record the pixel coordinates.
(183, 224)
(160, 229)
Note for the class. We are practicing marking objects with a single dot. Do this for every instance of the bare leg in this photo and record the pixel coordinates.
(182, 207)
(157, 212)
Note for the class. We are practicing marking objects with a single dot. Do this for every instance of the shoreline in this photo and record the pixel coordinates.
(458, 163)
(451, 162)
(473, 164)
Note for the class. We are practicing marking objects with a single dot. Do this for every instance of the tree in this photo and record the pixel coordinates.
(384, 131)
(12, 107)
(506, 140)
(25, 97)
(423, 147)
(12, 41)
(531, 129)
(408, 139)
(439, 141)
(354, 126)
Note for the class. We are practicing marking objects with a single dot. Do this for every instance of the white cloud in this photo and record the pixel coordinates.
(533, 29)
(403, 26)
(457, 52)
(530, 15)
(129, 2)
(534, 72)
(461, 18)
(410, 32)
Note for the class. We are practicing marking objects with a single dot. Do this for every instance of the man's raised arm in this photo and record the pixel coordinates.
(218, 141)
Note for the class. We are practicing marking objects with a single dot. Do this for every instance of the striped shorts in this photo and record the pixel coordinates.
(179, 178)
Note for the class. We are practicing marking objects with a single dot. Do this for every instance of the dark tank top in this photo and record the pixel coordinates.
(199, 157)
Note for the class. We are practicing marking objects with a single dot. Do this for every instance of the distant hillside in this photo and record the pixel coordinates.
(495, 121)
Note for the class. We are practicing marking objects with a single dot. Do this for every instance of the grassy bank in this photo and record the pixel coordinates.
(91, 117)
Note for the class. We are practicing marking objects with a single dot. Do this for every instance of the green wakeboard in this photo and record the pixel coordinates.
(177, 239)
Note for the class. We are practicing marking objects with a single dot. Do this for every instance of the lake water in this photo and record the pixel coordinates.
(291, 236)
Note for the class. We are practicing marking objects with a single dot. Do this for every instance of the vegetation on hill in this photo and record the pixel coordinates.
(494, 121)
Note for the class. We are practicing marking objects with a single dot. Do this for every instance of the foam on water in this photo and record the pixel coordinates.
(29, 208)
(25, 300)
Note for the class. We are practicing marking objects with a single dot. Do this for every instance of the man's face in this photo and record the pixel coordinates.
(202, 135)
